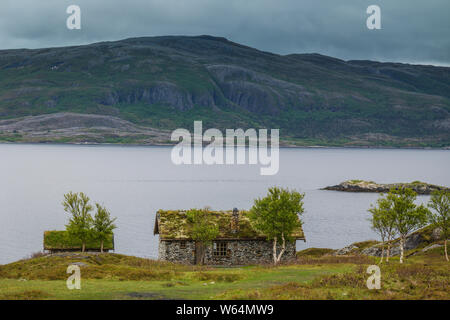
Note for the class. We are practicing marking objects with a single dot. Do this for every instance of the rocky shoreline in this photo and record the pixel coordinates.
(422, 188)
(419, 241)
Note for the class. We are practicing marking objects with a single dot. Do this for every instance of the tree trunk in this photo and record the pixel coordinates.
(402, 243)
(275, 250)
(199, 253)
(445, 249)
(283, 248)
(101, 247)
(382, 254)
(83, 247)
(388, 251)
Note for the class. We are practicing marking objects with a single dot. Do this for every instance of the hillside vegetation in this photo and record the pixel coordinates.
(134, 90)
(315, 275)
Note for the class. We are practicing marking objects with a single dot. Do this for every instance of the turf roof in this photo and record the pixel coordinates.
(60, 240)
(174, 225)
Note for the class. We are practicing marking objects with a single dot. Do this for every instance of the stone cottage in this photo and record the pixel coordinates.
(237, 244)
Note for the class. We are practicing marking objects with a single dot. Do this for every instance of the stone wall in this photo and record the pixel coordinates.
(172, 251)
(239, 252)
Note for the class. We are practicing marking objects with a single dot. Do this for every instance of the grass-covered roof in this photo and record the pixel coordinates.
(174, 225)
(61, 240)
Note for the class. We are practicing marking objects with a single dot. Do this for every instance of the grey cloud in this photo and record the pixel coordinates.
(413, 31)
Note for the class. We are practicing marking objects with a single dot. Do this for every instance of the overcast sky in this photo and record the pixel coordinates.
(415, 31)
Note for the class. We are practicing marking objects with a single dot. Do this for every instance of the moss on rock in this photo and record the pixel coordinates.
(174, 224)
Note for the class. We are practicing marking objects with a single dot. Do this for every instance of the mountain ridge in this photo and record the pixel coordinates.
(163, 83)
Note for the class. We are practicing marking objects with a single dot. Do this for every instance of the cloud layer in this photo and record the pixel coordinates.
(413, 31)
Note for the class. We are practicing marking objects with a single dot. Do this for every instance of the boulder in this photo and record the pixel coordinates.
(436, 234)
(80, 264)
(346, 250)
(372, 251)
(413, 241)
(433, 246)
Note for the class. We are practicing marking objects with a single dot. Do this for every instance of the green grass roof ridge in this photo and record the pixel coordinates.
(60, 240)
(173, 225)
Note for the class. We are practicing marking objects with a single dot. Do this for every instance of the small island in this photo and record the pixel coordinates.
(370, 186)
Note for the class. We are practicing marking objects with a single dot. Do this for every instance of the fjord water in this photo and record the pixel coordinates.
(134, 182)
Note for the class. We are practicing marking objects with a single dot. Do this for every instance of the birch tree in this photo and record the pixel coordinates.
(276, 216)
(407, 216)
(440, 216)
(377, 225)
(103, 225)
(382, 222)
(80, 222)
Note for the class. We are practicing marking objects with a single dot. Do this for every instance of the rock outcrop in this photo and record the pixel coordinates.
(422, 240)
(370, 186)
(79, 128)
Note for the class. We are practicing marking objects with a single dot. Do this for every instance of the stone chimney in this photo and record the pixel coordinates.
(235, 221)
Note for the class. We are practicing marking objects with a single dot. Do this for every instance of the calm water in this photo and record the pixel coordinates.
(134, 182)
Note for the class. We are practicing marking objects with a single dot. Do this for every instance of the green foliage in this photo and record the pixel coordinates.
(398, 212)
(80, 223)
(204, 229)
(277, 214)
(82, 226)
(103, 224)
(406, 215)
(219, 276)
(175, 224)
(63, 240)
(315, 252)
(440, 216)
(440, 203)
(382, 219)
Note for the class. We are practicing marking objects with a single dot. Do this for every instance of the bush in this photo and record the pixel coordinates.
(219, 277)
(315, 252)
(25, 295)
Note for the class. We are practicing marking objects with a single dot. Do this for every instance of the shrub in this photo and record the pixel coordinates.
(219, 277)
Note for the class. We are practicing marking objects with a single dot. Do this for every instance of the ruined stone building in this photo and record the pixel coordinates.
(237, 244)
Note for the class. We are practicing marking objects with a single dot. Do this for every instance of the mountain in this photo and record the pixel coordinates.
(138, 90)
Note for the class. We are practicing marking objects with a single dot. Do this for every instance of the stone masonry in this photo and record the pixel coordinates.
(239, 252)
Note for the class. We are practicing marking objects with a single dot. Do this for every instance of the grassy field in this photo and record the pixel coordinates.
(315, 275)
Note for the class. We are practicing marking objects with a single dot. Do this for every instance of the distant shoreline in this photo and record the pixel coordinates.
(282, 146)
